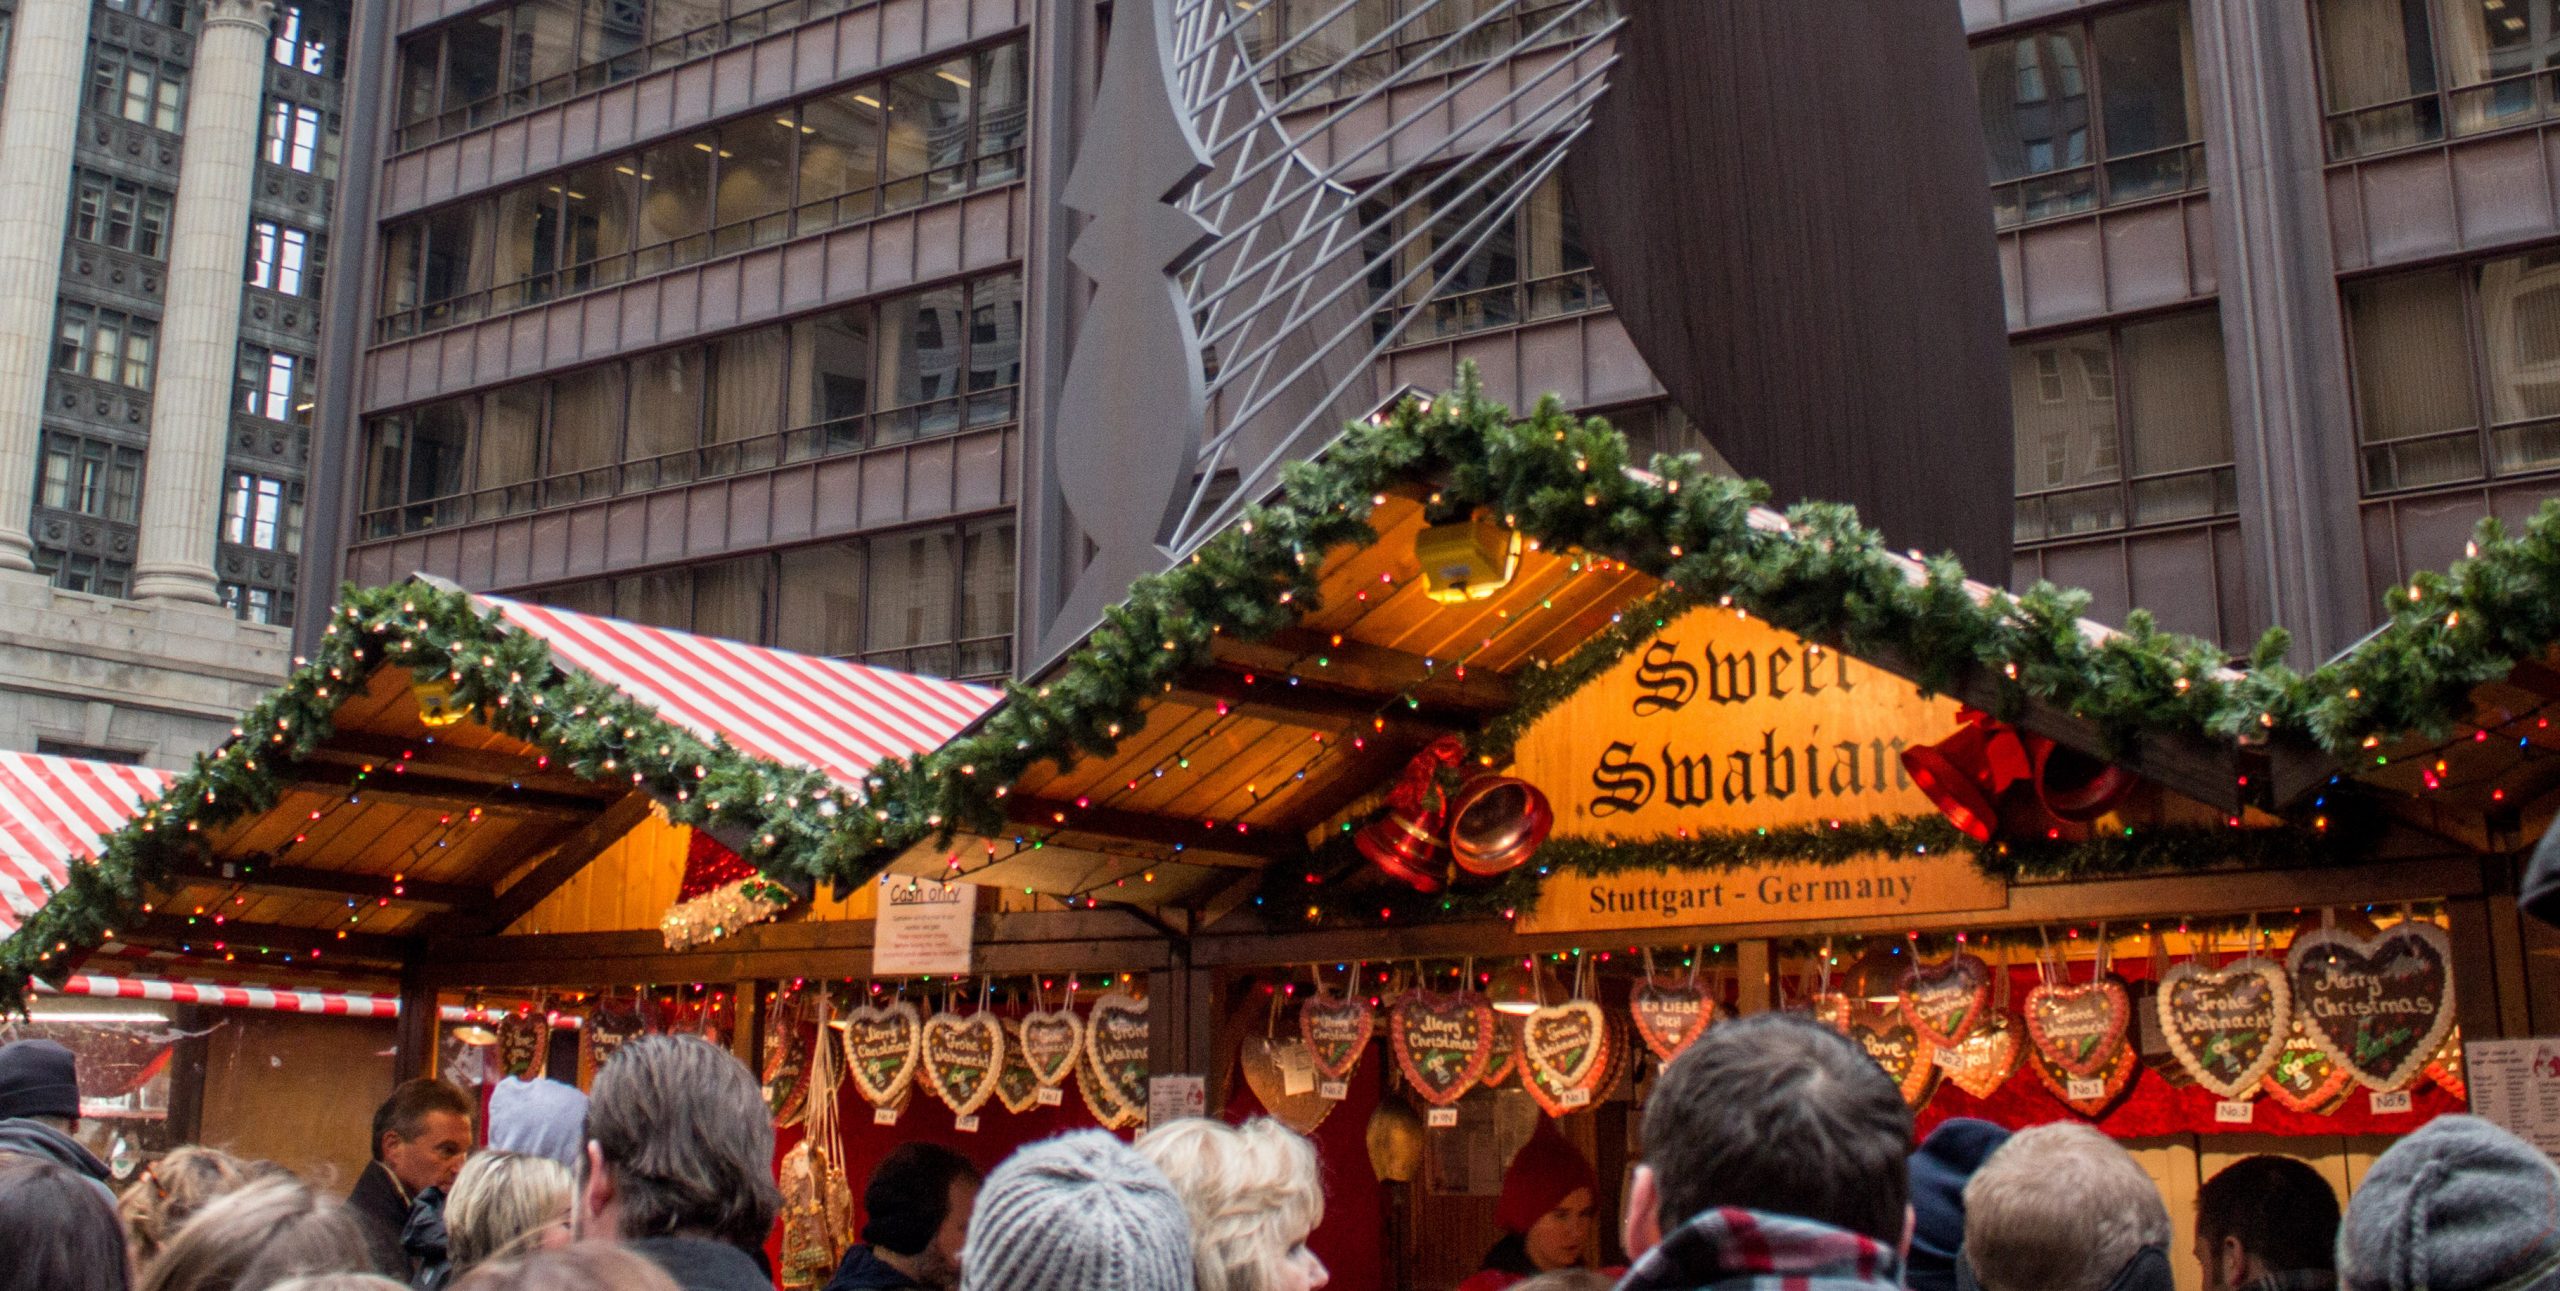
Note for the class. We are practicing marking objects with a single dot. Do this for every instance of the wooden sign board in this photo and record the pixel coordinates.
(1723, 722)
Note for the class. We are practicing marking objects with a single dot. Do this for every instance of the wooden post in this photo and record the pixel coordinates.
(415, 1053)
(746, 1025)
(1752, 962)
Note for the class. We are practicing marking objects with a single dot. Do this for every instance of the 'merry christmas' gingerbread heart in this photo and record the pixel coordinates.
(1337, 1032)
(1441, 1042)
(1945, 1001)
(881, 1048)
(2378, 1006)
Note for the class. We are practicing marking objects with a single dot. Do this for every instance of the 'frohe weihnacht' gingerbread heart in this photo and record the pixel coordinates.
(963, 1059)
(2226, 1025)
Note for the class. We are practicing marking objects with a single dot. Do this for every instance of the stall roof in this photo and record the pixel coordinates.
(53, 809)
(339, 825)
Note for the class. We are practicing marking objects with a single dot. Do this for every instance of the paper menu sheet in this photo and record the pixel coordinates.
(2516, 1083)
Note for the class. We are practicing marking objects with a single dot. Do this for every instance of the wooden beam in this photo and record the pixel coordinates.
(1140, 826)
(1310, 703)
(1368, 669)
(432, 791)
(1089, 941)
(452, 762)
(563, 863)
(327, 943)
(1252, 938)
(257, 876)
(414, 1054)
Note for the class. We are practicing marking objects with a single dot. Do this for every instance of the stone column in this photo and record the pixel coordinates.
(39, 124)
(200, 331)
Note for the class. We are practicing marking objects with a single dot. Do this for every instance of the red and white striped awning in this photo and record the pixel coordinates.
(836, 717)
(53, 809)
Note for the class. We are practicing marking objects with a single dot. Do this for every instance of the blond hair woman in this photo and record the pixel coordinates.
(170, 1192)
(505, 1204)
(1254, 1194)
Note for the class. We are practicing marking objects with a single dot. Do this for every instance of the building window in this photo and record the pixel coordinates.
(920, 136)
(1351, 47)
(1437, 257)
(91, 477)
(2140, 435)
(106, 345)
(256, 604)
(2457, 372)
(96, 575)
(262, 511)
(877, 373)
(274, 384)
(306, 40)
(280, 259)
(168, 13)
(2403, 72)
(937, 600)
(2089, 113)
(87, 752)
(296, 139)
(119, 213)
(139, 88)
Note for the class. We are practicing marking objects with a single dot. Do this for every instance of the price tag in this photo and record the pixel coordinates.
(1441, 1118)
(1336, 1090)
(2391, 1104)
(966, 1124)
(1050, 1096)
(1575, 1098)
(1297, 1069)
(2234, 1112)
(1947, 1058)
(884, 1116)
(2084, 1088)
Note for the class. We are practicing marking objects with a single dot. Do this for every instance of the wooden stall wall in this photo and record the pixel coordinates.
(298, 1090)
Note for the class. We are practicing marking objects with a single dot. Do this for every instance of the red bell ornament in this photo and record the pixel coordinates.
(1497, 823)
(2075, 786)
(1405, 842)
(1964, 772)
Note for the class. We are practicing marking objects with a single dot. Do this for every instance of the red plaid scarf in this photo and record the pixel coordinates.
(1731, 1249)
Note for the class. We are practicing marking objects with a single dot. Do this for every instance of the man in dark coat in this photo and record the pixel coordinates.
(40, 1109)
(915, 1217)
(421, 1136)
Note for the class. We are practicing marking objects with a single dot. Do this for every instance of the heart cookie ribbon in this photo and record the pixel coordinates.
(1115, 1050)
(2078, 1030)
(1441, 1042)
(963, 1059)
(882, 1049)
(2379, 1006)
(1946, 1000)
(2226, 1025)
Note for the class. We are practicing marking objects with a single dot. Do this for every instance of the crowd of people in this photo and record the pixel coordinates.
(1777, 1157)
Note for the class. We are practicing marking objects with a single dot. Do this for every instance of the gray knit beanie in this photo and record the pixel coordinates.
(1080, 1212)
(2460, 1205)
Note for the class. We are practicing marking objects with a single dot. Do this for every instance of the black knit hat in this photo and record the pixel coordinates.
(910, 1195)
(37, 1079)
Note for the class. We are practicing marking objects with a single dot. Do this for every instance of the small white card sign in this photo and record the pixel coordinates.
(1170, 1098)
(2516, 1083)
(925, 927)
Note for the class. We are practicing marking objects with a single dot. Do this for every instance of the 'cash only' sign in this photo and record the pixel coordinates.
(1722, 722)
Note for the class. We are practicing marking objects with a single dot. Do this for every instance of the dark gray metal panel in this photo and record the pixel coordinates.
(1789, 202)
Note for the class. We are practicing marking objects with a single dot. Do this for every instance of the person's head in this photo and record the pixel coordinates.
(505, 1203)
(2459, 1205)
(422, 1133)
(916, 1209)
(585, 1266)
(2062, 1208)
(1778, 1113)
(2264, 1215)
(1253, 1194)
(171, 1190)
(38, 1081)
(1939, 1171)
(338, 1282)
(1549, 1195)
(1079, 1210)
(257, 1236)
(58, 1229)
(679, 1140)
